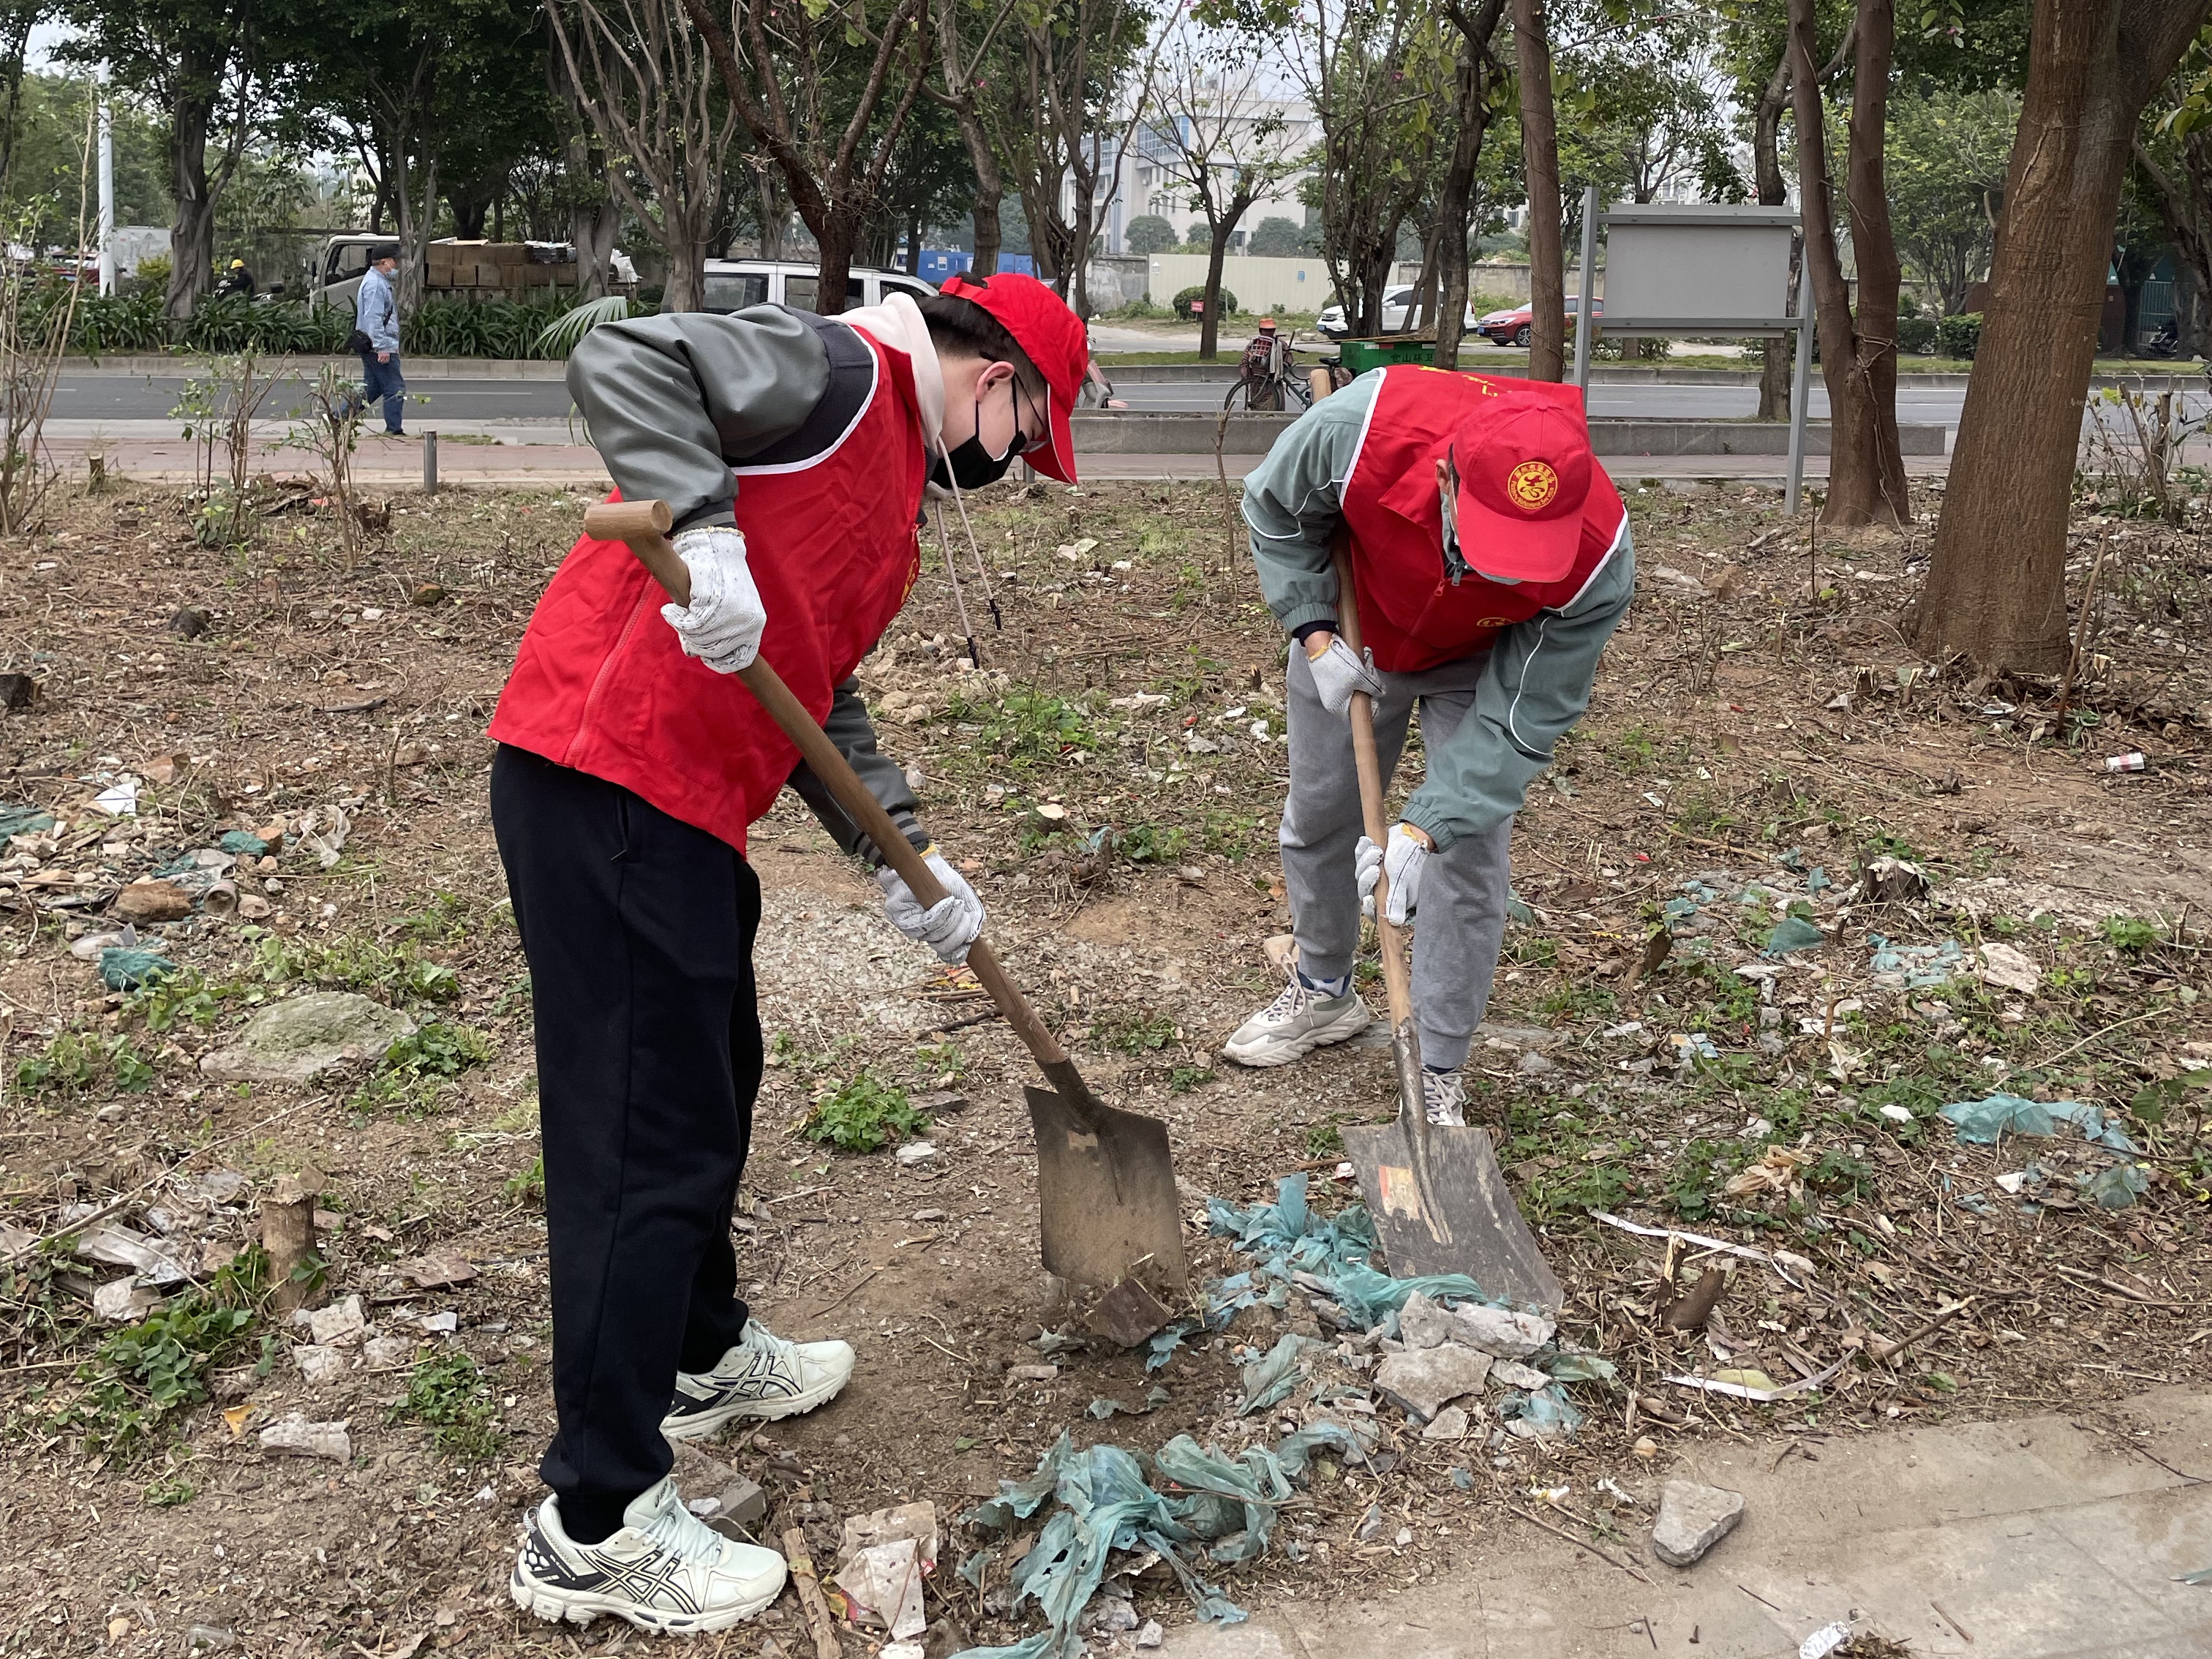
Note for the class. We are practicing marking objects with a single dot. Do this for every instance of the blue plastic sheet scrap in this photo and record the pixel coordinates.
(17, 819)
(1794, 933)
(1983, 1120)
(1269, 1379)
(1207, 1506)
(1916, 966)
(124, 970)
(243, 843)
(2117, 1188)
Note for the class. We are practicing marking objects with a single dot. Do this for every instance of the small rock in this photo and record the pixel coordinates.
(1499, 1331)
(938, 1101)
(339, 1325)
(1151, 1635)
(427, 593)
(17, 692)
(1422, 1380)
(1110, 1614)
(1515, 1375)
(1370, 1525)
(1031, 1373)
(1691, 1520)
(294, 1040)
(187, 623)
(440, 1324)
(319, 1364)
(741, 1503)
(293, 1433)
(916, 1151)
(251, 907)
(150, 899)
(1423, 1324)
(1449, 1424)
(927, 1215)
(210, 1637)
(1532, 1064)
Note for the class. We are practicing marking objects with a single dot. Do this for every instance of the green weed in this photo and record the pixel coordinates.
(943, 1062)
(450, 1394)
(1181, 1079)
(394, 972)
(140, 1375)
(1324, 1140)
(862, 1115)
(169, 1492)
(77, 1061)
(1152, 843)
(1575, 1001)
(528, 1186)
(2129, 935)
(1135, 1031)
(1024, 729)
(416, 1069)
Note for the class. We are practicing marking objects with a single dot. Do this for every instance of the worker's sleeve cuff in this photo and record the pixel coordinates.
(1443, 830)
(1300, 615)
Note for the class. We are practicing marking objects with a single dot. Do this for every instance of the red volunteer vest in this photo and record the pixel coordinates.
(600, 683)
(1412, 614)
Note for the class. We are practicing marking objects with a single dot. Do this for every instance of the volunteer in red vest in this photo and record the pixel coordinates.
(794, 451)
(1490, 560)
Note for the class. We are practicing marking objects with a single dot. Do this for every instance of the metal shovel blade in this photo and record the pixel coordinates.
(1106, 1196)
(1441, 1205)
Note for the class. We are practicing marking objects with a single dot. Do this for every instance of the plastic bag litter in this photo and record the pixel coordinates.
(1269, 1379)
(1580, 1368)
(1983, 1120)
(1914, 967)
(1794, 933)
(2117, 1188)
(125, 970)
(20, 820)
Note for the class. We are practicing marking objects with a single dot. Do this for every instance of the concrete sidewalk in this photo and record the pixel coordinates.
(2036, 1539)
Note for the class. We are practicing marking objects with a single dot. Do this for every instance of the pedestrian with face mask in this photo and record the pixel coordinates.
(1491, 563)
(794, 451)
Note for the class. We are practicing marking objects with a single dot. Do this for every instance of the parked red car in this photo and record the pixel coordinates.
(1512, 327)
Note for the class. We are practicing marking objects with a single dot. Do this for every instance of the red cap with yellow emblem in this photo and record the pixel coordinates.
(1524, 466)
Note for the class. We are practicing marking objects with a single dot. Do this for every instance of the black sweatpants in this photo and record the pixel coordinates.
(639, 930)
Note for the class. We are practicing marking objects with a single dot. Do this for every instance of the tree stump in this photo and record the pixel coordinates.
(287, 1233)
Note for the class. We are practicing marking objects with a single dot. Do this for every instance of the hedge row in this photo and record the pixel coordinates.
(230, 324)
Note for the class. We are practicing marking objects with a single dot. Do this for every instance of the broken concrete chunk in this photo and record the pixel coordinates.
(340, 1325)
(1499, 1331)
(1151, 1636)
(294, 1040)
(1691, 1520)
(151, 899)
(1515, 1375)
(1423, 1323)
(387, 1353)
(318, 1363)
(438, 1270)
(293, 1433)
(1422, 1380)
(1449, 1424)
(740, 1503)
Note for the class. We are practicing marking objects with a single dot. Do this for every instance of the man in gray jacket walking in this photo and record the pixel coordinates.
(376, 317)
(1490, 560)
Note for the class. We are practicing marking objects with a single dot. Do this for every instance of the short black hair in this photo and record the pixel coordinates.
(961, 328)
(384, 250)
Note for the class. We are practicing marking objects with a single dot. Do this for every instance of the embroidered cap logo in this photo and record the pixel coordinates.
(1532, 486)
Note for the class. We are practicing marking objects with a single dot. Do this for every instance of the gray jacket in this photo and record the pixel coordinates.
(670, 401)
(1537, 683)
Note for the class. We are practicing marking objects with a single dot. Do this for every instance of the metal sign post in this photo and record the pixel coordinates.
(1583, 299)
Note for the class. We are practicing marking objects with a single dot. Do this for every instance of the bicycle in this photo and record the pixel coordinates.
(1268, 377)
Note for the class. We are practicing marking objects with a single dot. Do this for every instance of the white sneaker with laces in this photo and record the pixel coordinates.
(763, 1377)
(1296, 1024)
(663, 1570)
(1445, 1098)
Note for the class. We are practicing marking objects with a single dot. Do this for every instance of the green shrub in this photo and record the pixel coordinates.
(1918, 334)
(862, 1116)
(1961, 336)
(1148, 232)
(1185, 304)
(123, 322)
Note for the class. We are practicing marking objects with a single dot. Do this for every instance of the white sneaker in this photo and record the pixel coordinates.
(665, 1570)
(763, 1376)
(1297, 1022)
(1444, 1096)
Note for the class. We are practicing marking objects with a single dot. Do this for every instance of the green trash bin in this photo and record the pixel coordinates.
(1360, 355)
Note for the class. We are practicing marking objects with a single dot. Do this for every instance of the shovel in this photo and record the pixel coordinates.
(1439, 1200)
(1106, 1187)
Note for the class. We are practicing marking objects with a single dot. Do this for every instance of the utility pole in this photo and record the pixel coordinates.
(107, 189)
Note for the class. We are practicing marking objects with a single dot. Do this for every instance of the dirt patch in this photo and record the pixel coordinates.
(1111, 784)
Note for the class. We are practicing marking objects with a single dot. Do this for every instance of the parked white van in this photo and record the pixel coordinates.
(734, 284)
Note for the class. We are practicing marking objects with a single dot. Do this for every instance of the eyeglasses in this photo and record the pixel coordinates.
(1455, 564)
(1023, 444)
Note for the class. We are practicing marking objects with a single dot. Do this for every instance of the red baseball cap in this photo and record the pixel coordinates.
(1052, 336)
(1524, 467)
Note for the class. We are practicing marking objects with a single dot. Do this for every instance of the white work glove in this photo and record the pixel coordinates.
(1403, 862)
(949, 927)
(1338, 673)
(722, 624)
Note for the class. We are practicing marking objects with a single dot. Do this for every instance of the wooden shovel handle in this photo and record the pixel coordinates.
(1397, 979)
(644, 526)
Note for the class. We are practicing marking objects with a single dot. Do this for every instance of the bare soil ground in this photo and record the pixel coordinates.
(1111, 780)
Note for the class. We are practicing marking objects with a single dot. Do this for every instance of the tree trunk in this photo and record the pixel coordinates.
(1779, 358)
(989, 235)
(836, 236)
(1455, 200)
(1540, 158)
(1209, 321)
(990, 182)
(1858, 356)
(191, 230)
(1997, 586)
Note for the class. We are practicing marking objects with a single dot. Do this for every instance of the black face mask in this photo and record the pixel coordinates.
(970, 465)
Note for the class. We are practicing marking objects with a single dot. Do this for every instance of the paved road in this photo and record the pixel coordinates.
(81, 397)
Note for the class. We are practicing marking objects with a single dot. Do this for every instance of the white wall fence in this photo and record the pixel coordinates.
(1117, 279)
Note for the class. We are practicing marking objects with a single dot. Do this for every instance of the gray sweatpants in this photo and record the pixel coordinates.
(1461, 922)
